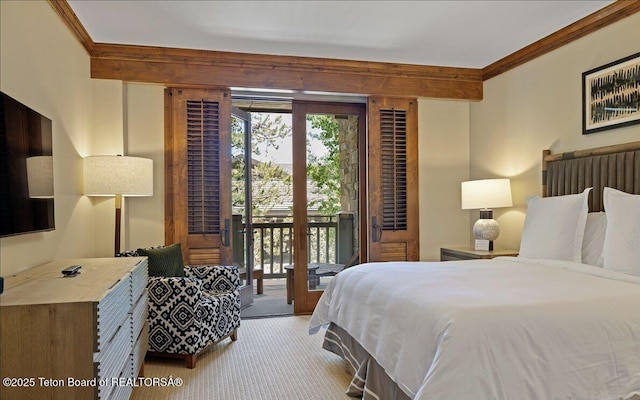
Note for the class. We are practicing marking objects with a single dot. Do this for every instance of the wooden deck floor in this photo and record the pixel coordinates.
(273, 301)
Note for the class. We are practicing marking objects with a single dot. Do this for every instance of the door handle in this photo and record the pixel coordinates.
(376, 230)
(224, 238)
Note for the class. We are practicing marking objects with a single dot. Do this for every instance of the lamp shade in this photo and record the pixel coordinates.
(486, 193)
(40, 177)
(118, 175)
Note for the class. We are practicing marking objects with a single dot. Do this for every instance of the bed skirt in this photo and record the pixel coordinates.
(370, 381)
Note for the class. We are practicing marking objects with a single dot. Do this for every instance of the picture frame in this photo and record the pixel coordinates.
(611, 95)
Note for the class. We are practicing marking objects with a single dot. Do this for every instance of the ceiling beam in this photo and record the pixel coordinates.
(187, 67)
(608, 15)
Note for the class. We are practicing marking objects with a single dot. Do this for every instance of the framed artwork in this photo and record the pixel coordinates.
(611, 95)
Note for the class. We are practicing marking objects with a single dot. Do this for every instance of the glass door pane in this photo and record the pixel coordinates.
(332, 194)
(241, 199)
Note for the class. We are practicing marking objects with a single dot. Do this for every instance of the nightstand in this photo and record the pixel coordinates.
(467, 253)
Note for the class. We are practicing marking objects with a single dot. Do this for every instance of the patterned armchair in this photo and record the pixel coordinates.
(187, 314)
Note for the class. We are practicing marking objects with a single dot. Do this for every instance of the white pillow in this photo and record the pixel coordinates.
(622, 239)
(593, 240)
(554, 227)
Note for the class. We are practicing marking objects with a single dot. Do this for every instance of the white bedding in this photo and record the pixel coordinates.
(508, 328)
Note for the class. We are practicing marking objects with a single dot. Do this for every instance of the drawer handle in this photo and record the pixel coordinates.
(115, 334)
(114, 284)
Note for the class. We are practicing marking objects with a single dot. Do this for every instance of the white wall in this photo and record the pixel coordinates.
(538, 106)
(144, 220)
(43, 66)
(443, 163)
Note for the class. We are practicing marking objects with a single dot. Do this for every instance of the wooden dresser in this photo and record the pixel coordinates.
(77, 337)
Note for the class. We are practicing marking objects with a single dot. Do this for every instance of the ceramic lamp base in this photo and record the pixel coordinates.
(486, 230)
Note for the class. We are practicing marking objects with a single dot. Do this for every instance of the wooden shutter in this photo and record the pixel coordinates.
(393, 157)
(393, 179)
(198, 165)
(203, 168)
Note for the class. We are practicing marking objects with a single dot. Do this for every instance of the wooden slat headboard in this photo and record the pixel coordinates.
(616, 166)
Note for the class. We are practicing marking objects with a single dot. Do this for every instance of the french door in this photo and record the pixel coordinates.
(315, 208)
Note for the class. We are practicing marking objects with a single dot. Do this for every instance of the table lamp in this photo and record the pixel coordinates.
(484, 195)
(40, 177)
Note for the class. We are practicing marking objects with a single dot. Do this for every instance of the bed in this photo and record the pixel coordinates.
(560, 321)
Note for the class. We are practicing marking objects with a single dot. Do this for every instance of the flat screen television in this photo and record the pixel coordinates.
(26, 169)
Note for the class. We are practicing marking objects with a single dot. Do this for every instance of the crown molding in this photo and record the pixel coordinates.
(63, 9)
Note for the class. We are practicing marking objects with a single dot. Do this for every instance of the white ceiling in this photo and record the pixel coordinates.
(446, 33)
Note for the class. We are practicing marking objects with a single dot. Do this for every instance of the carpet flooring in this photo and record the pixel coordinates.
(273, 359)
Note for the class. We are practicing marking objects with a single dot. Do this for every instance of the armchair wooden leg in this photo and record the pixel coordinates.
(191, 360)
(234, 335)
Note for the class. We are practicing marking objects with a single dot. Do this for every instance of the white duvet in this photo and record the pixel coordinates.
(508, 328)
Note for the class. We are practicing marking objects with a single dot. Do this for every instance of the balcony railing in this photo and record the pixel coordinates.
(273, 243)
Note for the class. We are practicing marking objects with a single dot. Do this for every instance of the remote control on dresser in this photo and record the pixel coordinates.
(72, 270)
